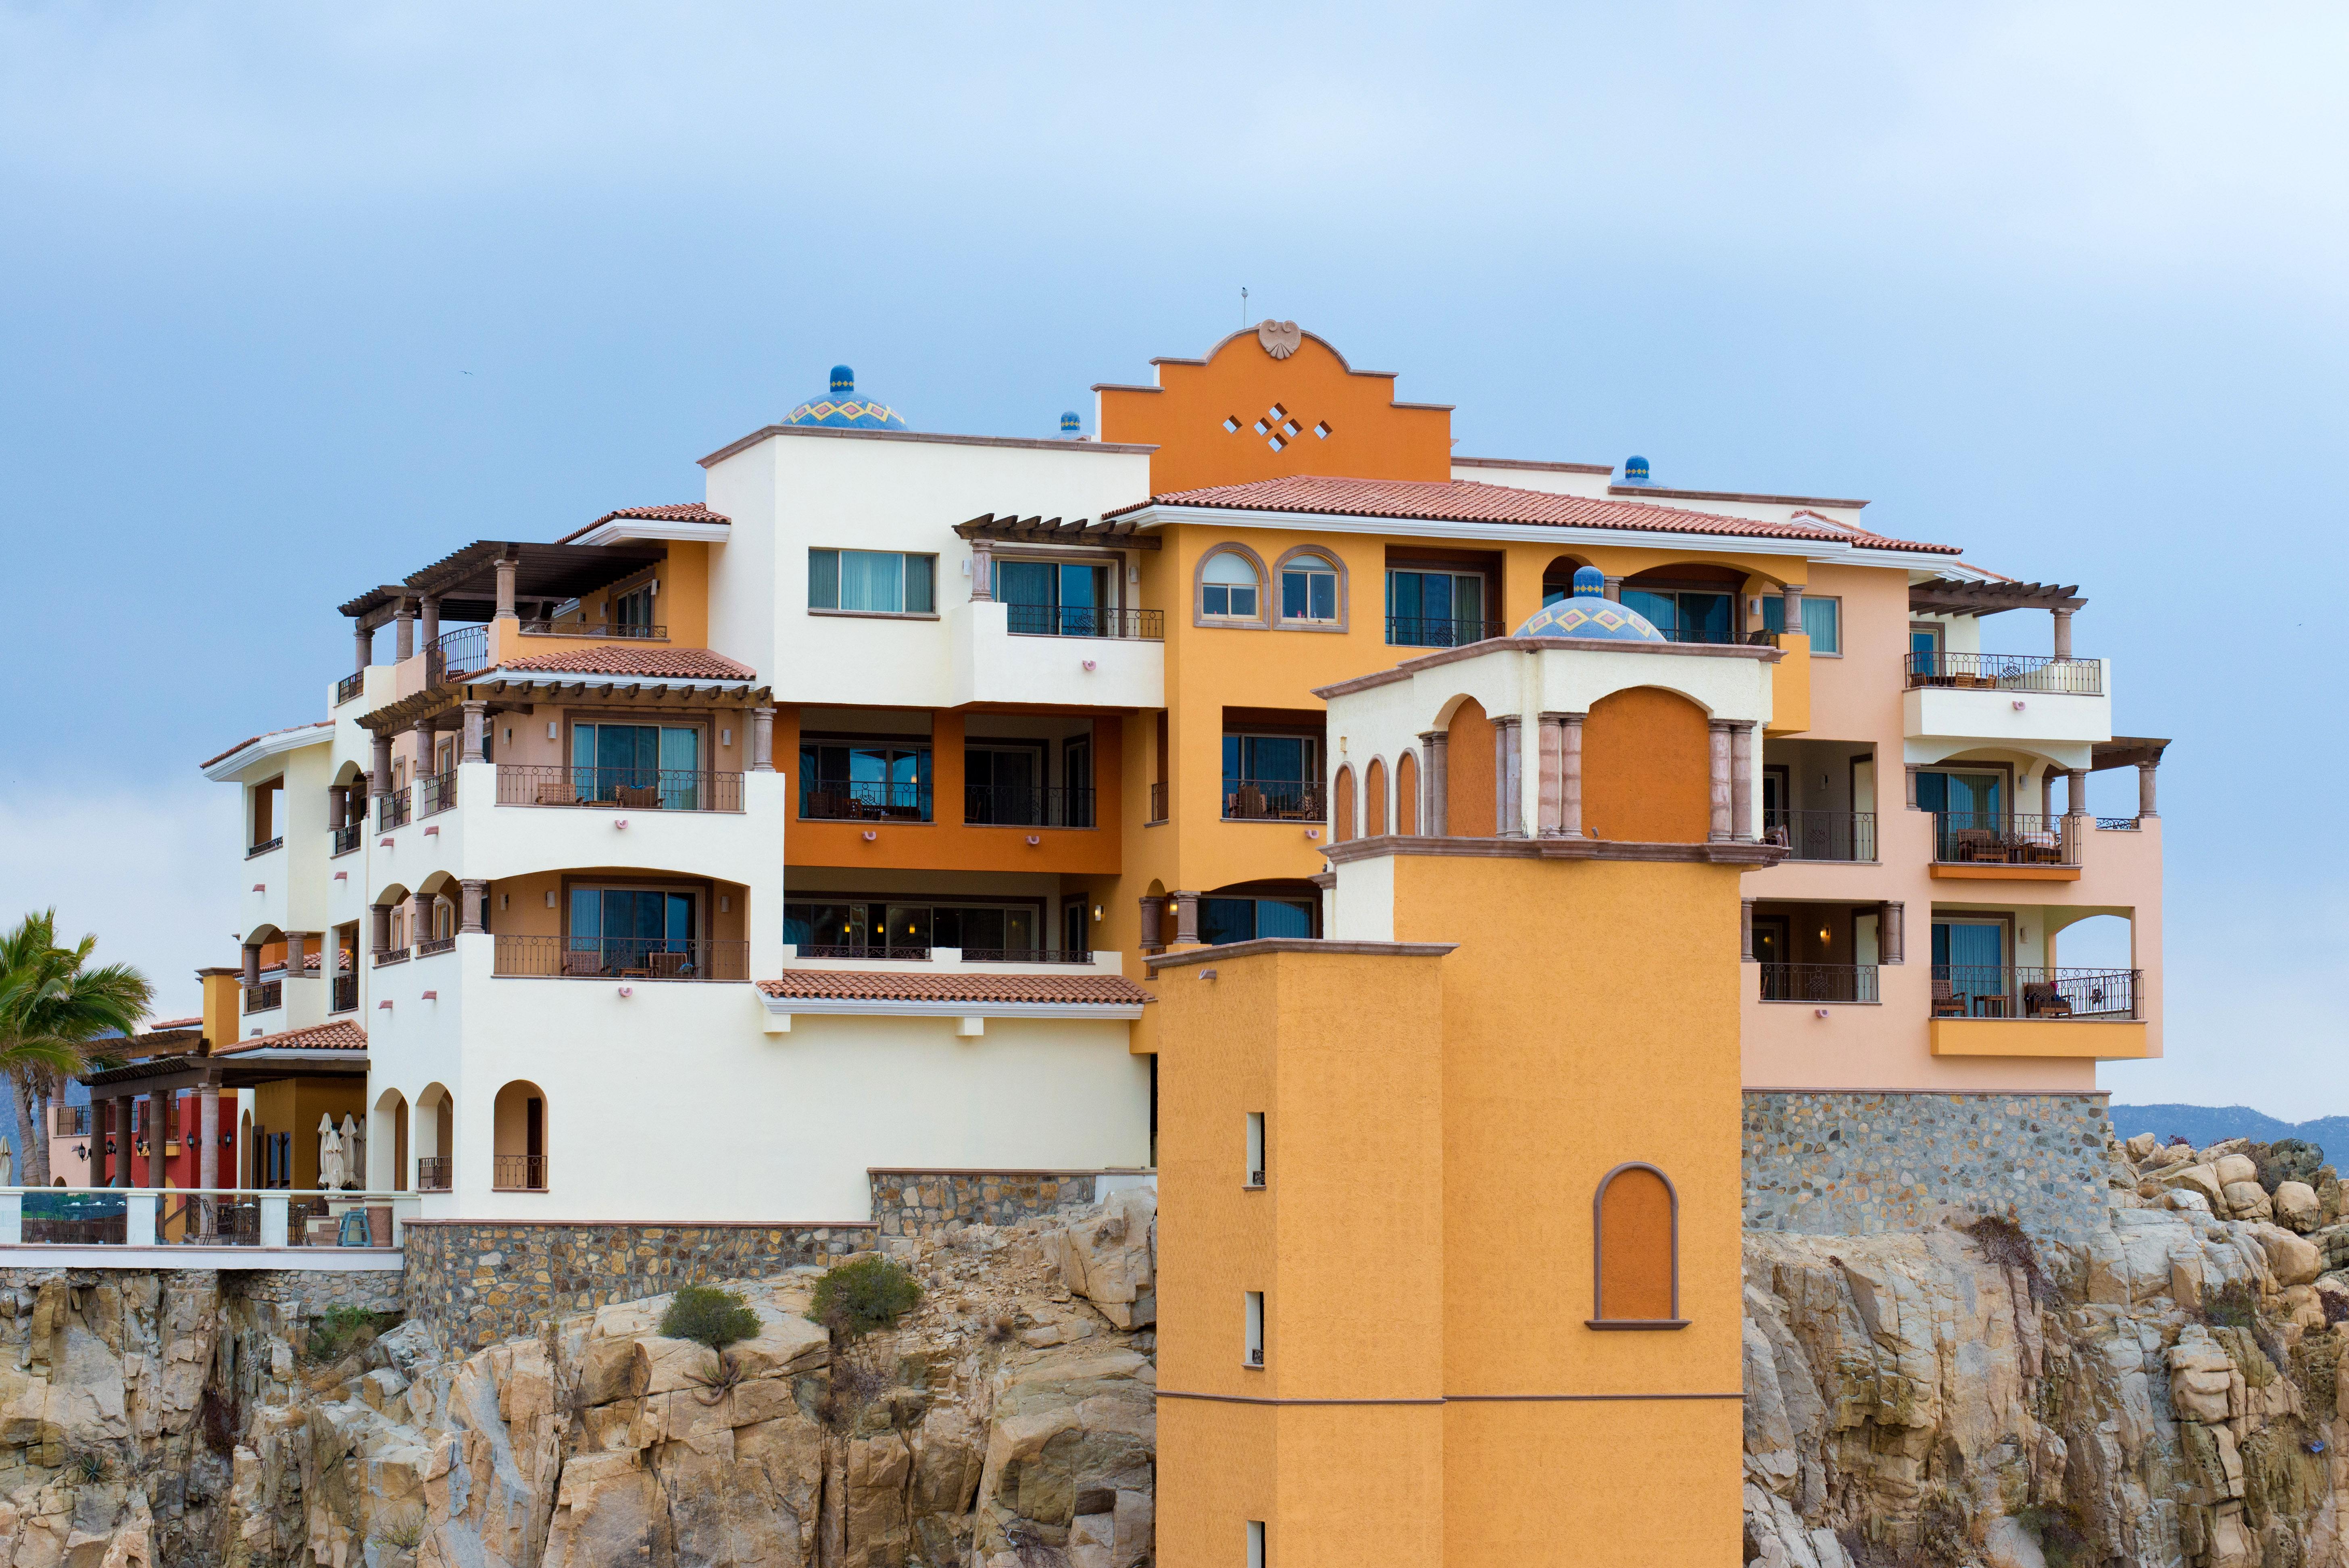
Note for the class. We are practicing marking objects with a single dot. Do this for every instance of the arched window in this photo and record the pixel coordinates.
(1308, 588)
(1228, 587)
(1341, 809)
(1636, 1263)
(1374, 799)
(1407, 793)
(520, 1155)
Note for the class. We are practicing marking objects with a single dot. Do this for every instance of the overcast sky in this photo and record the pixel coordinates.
(294, 299)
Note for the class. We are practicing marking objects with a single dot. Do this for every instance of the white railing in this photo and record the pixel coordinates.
(199, 1219)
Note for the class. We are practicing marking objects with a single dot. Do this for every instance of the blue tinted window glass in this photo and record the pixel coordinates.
(1822, 618)
(1661, 610)
(1223, 920)
(1277, 917)
(586, 916)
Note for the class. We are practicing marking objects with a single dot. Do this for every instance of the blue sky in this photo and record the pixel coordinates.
(294, 299)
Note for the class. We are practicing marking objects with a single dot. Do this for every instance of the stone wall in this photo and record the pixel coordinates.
(296, 1293)
(474, 1283)
(925, 1204)
(1863, 1163)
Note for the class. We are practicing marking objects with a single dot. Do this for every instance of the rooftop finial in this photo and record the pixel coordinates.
(844, 380)
(1635, 470)
(1071, 426)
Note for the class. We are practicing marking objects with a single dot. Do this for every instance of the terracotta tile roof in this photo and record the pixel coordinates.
(873, 986)
(339, 1035)
(265, 734)
(1466, 501)
(161, 1024)
(678, 512)
(674, 664)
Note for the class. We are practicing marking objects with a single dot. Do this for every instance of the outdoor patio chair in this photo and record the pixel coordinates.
(2041, 1000)
(557, 792)
(668, 965)
(582, 963)
(1947, 1003)
(639, 796)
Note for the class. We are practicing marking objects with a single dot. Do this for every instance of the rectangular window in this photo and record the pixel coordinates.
(902, 928)
(617, 930)
(1822, 621)
(876, 582)
(1256, 1328)
(1255, 1543)
(1226, 920)
(1053, 598)
(640, 765)
(884, 780)
(1272, 778)
(633, 610)
(1685, 617)
(1434, 609)
(1256, 1149)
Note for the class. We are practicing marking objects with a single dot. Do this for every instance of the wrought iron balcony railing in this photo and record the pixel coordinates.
(2005, 672)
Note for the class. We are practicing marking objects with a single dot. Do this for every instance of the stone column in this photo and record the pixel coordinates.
(208, 1156)
(101, 1128)
(380, 934)
(1550, 799)
(982, 569)
(1569, 776)
(506, 568)
(1615, 589)
(1508, 779)
(159, 1130)
(1433, 821)
(1892, 937)
(1741, 782)
(2047, 793)
(1154, 911)
(419, 919)
(1722, 794)
(470, 908)
(338, 806)
(1794, 601)
(124, 1153)
(762, 740)
(2075, 791)
(2145, 788)
(2062, 633)
(477, 730)
(424, 769)
(363, 647)
(381, 778)
(429, 633)
(1187, 918)
(294, 957)
(1745, 931)
(252, 964)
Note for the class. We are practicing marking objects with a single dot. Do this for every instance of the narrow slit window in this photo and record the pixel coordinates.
(1256, 1149)
(1255, 1348)
(1255, 1543)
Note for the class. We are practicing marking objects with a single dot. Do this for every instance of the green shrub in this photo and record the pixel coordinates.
(865, 1294)
(339, 1330)
(708, 1315)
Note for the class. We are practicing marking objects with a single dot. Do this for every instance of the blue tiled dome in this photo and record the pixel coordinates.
(1071, 426)
(1589, 613)
(843, 410)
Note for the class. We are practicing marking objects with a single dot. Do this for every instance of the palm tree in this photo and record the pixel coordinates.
(53, 1005)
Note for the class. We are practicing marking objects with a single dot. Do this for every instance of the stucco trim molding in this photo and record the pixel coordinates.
(1761, 652)
(1158, 961)
(1265, 587)
(1345, 592)
(873, 1007)
(1726, 852)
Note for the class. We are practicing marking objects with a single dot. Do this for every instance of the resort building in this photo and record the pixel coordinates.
(869, 795)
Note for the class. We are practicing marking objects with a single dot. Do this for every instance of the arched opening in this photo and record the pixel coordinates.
(436, 920)
(1557, 578)
(1688, 600)
(1407, 793)
(1636, 1269)
(1231, 587)
(1341, 805)
(520, 1155)
(1468, 806)
(1374, 799)
(388, 922)
(1245, 912)
(435, 1136)
(1647, 768)
(1312, 587)
(386, 1144)
(246, 1156)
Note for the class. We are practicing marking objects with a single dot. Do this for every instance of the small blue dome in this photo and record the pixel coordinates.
(1635, 470)
(843, 410)
(1070, 425)
(1589, 613)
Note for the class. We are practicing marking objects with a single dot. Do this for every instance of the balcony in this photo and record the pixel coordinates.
(1083, 621)
(2006, 846)
(1420, 632)
(266, 845)
(1803, 983)
(349, 687)
(1272, 801)
(390, 955)
(266, 998)
(628, 788)
(2019, 991)
(620, 958)
(1027, 806)
(69, 1122)
(345, 994)
(1822, 835)
(432, 1174)
(391, 810)
(347, 837)
(637, 633)
(456, 654)
(436, 794)
(433, 945)
(518, 1172)
(875, 953)
(2004, 672)
(850, 800)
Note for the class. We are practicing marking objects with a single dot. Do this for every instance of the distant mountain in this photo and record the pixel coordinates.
(2207, 1124)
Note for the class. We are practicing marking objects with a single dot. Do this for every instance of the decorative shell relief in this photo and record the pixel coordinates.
(1279, 338)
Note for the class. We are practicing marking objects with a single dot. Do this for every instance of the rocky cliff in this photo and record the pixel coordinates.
(2167, 1396)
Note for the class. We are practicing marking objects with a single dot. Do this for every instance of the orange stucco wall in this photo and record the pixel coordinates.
(1185, 417)
(1647, 768)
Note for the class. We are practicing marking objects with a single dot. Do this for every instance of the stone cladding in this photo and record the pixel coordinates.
(1855, 1162)
(924, 1204)
(475, 1282)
